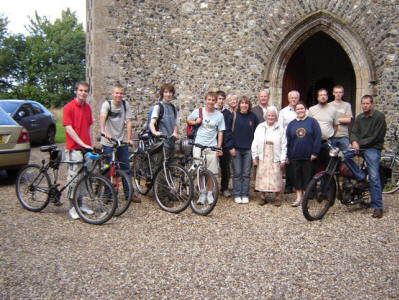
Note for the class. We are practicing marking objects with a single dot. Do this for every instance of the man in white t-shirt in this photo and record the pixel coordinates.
(209, 133)
(344, 114)
(326, 115)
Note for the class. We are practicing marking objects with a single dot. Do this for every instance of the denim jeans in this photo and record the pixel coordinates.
(122, 154)
(372, 157)
(241, 172)
(224, 162)
(343, 144)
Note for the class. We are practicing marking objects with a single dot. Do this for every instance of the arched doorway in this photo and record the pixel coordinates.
(319, 62)
(335, 31)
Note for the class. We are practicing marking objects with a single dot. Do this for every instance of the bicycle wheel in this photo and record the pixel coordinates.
(319, 195)
(124, 191)
(173, 188)
(141, 173)
(95, 199)
(390, 177)
(201, 203)
(32, 188)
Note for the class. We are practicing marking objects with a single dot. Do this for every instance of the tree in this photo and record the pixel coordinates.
(45, 64)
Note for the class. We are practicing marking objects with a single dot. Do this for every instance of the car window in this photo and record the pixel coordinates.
(26, 108)
(36, 109)
(5, 119)
(9, 107)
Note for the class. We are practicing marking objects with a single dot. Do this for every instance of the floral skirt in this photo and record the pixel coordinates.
(268, 174)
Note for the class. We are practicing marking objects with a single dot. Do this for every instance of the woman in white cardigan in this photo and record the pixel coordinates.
(269, 151)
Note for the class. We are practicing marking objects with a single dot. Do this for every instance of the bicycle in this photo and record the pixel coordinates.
(35, 190)
(204, 181)
(172, 185)
(321, 191)
(144, 161)
(390, 164)
(119, 179)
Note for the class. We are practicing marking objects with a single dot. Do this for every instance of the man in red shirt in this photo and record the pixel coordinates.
(77, 119)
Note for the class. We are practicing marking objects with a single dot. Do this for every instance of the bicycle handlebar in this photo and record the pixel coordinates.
(202, 147)
(116, 142)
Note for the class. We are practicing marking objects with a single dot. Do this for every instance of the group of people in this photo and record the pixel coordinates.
(289, 141)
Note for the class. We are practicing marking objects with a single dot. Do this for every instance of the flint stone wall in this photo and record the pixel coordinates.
(209, 45)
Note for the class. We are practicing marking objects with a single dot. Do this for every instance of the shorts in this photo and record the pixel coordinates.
(212, 161)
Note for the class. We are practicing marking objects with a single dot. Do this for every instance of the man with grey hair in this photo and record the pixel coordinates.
(263, 102)
(287, 114)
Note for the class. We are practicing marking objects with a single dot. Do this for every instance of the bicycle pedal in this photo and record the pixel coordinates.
(58, 203)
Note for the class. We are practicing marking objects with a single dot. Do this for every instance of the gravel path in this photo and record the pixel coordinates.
(239, 251)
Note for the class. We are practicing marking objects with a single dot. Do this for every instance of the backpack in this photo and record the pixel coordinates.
(111, 114)
(161, 111)
(191, 130)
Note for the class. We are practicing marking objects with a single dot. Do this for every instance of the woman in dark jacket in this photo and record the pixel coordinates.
(303, 146)
(240, 133)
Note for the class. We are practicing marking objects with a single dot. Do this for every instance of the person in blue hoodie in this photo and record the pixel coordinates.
(303, 146)
(239, 135)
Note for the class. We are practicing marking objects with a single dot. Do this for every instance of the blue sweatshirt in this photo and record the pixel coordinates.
(244, 129)
(303, 139)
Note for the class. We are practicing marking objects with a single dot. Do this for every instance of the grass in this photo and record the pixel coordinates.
(60, 134)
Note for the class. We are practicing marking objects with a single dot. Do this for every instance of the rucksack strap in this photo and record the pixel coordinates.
(110, 105)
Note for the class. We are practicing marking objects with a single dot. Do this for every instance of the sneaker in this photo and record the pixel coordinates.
(136, 199)
(237, 200)
(202, 199)
(227, 193)
(210, 198)
(244, 200)
(86, 210)
(73, 214)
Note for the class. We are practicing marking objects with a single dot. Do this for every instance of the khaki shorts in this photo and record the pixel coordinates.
(212, 161)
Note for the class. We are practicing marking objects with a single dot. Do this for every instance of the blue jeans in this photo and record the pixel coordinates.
(372, 157)
(122, 154)
(343, 144)
(241, 172)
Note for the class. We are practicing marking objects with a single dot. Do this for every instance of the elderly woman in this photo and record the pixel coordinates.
(303, 146)
(269, 149)
(239, 135)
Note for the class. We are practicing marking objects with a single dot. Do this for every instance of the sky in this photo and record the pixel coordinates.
(17, 11)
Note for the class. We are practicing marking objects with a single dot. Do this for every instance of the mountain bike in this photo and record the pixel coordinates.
(172, 185)
(120, 180)
(204, 181)
(390, 164)
(94, 196)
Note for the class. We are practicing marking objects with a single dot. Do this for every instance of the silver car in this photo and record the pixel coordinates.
(14, 144)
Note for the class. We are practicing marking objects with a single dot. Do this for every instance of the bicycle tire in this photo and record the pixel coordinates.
(391, 180)
(124, 191)
(141, 173)
(95, 193)
(205, 208)
(175, 197)
(32, 188)
(315, 203)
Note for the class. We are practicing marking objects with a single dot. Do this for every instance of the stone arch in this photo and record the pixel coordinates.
(349, 40)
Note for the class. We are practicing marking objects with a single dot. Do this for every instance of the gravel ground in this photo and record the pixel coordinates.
(239, 251)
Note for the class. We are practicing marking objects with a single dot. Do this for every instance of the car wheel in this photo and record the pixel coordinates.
(50, 137)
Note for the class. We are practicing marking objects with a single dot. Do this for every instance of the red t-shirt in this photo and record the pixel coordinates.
(79, 116)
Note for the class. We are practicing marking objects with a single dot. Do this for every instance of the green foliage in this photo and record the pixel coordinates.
(44, 65)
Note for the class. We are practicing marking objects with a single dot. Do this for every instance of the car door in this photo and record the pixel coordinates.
(24, 116)
(41, 119)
